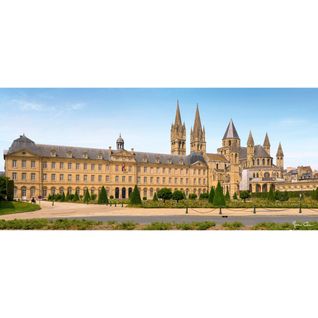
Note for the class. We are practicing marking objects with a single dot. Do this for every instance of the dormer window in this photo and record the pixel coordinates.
(158, 159)
(69, 154)
(100, 156)
(181, 162)
(53, 153)
(85, 155)
(145, 159)
(170, 161)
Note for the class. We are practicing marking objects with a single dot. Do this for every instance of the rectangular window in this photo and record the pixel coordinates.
(164, 180)
(116, 168)
(69, 166)
(44, 177)
(23, 163)
(170, 181)
(175, 180)
(116, 179)
(151, 180)
(14, 176)
(53, 177)
(107, 167)
(139, 169)
(130, 168)
(107, 178)
(14, 163)
(85, 166)
(92, 178)
(77, 178)
(32, 176)
(53, 164)
(158, 180)
(92, 167)
(32, 164)
(145, 169)
(100, 167)
(158, 170)
(181, 181)
(69, 178)
(194, 181)
(138, 180)
(85, 177)
(163, 170)
(44, 165)
(77, 166)
(100, 178)
(130, 179)
(187, 181)
(61, 177)
(123, 179)
(61, 165)
(24, 176)
(145, 180)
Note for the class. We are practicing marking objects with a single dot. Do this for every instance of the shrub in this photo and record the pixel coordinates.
(185, 227)
(193, 196)
(212, 195)
(178, 195)
(271, 195)
(144, 198)
(219, 199)
(94, 197)
(76, 197)
(235, 196)
(244, 195)
(10, 190)
(203, 226)
(227, 196)
(157, 226)
(165, 194)
(102, 196)
(204, 196)
(155, 197)
(233, 226)
(135, 197)
(87, 196)
(126, 226)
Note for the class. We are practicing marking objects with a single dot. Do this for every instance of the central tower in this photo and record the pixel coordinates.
(178, 135)
(198, 143)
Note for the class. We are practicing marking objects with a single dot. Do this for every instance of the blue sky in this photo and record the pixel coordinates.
(95, 117)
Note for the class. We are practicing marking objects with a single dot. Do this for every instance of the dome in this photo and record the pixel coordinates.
(120, 139)
(120, 143)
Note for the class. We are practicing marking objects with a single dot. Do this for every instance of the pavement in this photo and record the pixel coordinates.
(145, 216)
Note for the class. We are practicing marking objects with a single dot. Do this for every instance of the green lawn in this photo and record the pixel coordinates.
(17, 207)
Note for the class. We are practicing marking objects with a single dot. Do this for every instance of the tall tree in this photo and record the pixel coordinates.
(87, 196)
(135, 198)
(212, 195)
(219, 199)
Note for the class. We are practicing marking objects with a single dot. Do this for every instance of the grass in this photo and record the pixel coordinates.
(7, 207)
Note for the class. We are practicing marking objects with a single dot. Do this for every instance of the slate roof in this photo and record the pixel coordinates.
(23, 143)
(259, 152)
(231, 132)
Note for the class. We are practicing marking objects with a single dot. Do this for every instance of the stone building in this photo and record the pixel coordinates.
(40, 170)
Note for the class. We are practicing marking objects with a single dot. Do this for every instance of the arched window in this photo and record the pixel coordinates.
(117, 193)
(93, 191)
(44, 192)
(78, 191)
(32, 192)
(151, 192)
(130, 190)
(61, 190)
(53, 190)
(23, 192)
(69, 190)
(145, 193)
(123, 193)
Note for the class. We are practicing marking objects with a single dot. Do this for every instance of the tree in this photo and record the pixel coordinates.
(219, 199)
(235, 196)
(68, 196)
(314, 194)
(155, 197)
(3, 187)
(102, 196)
(227, 196)
(204, 196)
(135, 198)
(165, 194)
(212, 195)
(193, 196)
(10, 190)
(177, 195)
(76, 197)
(271, 195)
(244, 195)
(87, 196)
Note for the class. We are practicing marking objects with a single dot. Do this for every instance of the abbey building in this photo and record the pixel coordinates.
(39, 170)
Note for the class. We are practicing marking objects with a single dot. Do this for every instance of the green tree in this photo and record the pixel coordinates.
(204, 196)
(235, 196)
(314, 194)
(227, 196)
(155, 197)
(244, 195)
(177, 195)
(212, 195)
(3, 187)
(193, 196)
(10, 190)
(87, 196)
(76, 197)
(68, 196)
(165, 194)
(102, 196)
(63, 197)
(219, 199)
(135, 198)
(271, 195)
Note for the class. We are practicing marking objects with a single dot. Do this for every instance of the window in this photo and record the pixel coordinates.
(107, 167)
(164, 180)
(130, 179)
(92, 167)
(61, 165)
(116, 168)
(138, 180)
(32, 192)
(92, 178)
(175, 180)
(61, 177)
(194, 181)
(151, 180)
(163, 170)
(116, 179)
(145, 169)
(158, 180)
(145, 180)
(53, 177)
(158, 170)
(170, 181)
(23, 176)
(77, 178)
(23, 191)
(100, 167)
(123, 178)
(85, 166)
(69, 166)
(107, 178)
(85, 177)
(44, 177)
(139, 169)
(77, 166)
(130, 168)
(69, 178)
(32, 176)
(14, 176)
(181, 181)
(14, 163)
(23, 163)
(53, 165)
(32, 164)
(100, 178)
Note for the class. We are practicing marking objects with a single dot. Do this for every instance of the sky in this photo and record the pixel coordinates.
(96, 117)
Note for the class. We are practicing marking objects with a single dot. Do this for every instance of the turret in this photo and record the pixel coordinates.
(198, 143)
(231, 137)
(120, 143)
(178, 135)
(280, 157)
(267, 145)
(250, 150)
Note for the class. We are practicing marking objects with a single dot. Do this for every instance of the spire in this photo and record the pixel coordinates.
(266, 142)
(197, 128)
(178, 121)
(250, 141)
(280, 152)
(231, 132)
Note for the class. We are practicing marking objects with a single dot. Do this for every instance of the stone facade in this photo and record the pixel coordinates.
(40, 170)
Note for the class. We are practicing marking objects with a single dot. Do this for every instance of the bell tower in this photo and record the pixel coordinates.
(198, 143)
(178, 135)
(250, 150)
(280, 157)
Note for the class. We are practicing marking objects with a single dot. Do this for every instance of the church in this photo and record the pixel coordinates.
(39, 170)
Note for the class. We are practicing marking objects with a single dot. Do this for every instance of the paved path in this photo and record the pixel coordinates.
(106, 213)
